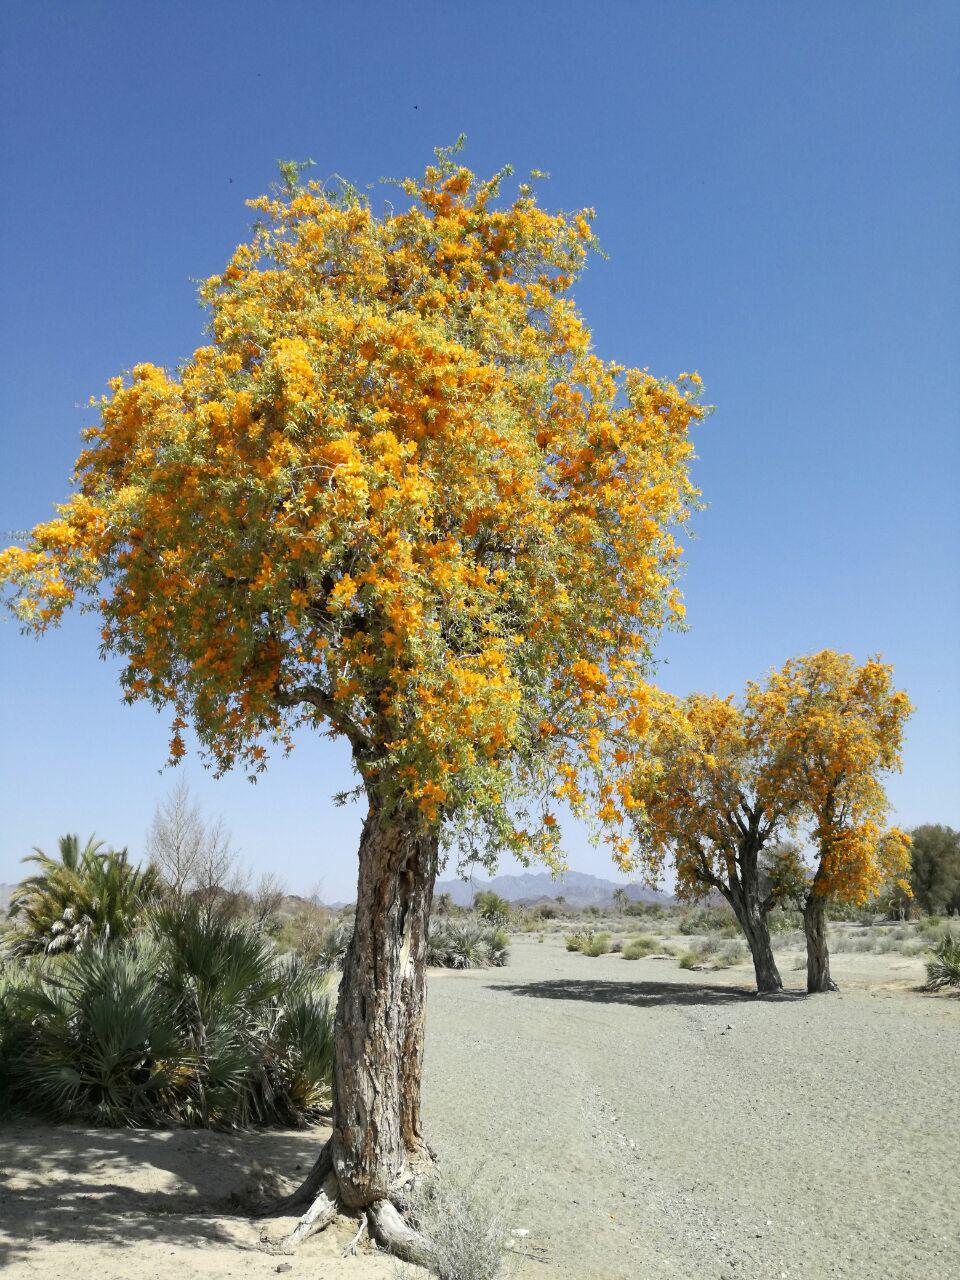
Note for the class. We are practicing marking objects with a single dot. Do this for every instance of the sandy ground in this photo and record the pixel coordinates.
(657, 1123)
(644, 1121)
(99, 1204)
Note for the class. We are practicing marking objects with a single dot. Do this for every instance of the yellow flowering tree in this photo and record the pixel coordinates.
(840, 728)
(397, 498)
(716, 795)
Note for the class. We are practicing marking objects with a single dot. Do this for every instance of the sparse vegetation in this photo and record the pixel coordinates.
(465, 1224)
(641, 945)
(590, 942)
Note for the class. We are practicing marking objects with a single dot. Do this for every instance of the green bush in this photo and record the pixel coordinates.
(99, 1040)
(467, 944)
(589, 942)
(687, 959)
(196, 1020)
(490, 906)
(651, 910)
(784, 920)
(642, 945)
(943, 968)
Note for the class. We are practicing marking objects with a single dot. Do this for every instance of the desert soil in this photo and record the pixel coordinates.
(643, 1121)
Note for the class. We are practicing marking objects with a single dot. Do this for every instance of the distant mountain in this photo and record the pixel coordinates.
(576, 887)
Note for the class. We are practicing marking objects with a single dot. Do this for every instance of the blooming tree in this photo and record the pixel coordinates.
(723, 786)
(715, 794)
(397, 498)
(840, 728)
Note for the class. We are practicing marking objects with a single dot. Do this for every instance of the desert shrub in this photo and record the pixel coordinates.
(546, 911)
(467, 944)
(303, 931)
(325, 945)
(732, 953)
(598, 944)
(706, 919)
(589, 942)
(196, 1020)
(650, 910)
(930, 926)
(710, 948)
(466, 1226)
(943, 967)
(642, 945)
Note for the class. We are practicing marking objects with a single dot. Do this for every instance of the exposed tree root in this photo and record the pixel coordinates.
(321, 1213)
(351, 1248)
(320, 1192)
(389, 1228)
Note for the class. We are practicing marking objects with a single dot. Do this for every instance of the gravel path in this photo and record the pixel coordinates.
(650, 1122)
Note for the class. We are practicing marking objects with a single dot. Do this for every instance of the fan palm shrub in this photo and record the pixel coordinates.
(87, 892)
(466, 944)
(257, 1031)
(943, 967)
(98, 1038)
(196, 1020)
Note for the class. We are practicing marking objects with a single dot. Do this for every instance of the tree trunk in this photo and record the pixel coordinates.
(753, 922)
(380, 1012)
(818, 953)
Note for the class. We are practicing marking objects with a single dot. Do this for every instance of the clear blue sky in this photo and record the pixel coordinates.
(777, 188)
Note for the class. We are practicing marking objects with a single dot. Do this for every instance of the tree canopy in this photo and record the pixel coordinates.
(397, 496)
(841, 726)
(715, 786)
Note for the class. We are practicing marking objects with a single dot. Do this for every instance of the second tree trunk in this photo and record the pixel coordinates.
(818, 953)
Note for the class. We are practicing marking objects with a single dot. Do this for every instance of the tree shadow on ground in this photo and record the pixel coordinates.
(120, 1188)
(643, 995)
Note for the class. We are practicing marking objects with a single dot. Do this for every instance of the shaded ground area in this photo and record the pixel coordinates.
(647, 1122)
(658, 1123)
(114, 1204)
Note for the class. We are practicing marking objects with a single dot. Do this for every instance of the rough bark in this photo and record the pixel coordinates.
(377, 1143)
(753, 922)
(380, 1012)
(818, 953)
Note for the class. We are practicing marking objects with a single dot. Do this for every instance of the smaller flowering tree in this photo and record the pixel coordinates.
(715, 794)
(723, 786)
(839, 728)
